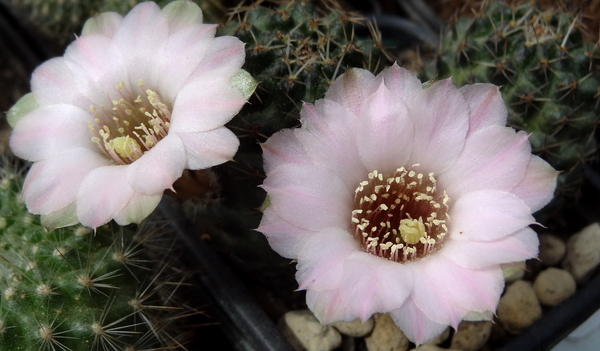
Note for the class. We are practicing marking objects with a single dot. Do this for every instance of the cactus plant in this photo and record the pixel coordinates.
(295, 49)
(72, 289)
(549, 75)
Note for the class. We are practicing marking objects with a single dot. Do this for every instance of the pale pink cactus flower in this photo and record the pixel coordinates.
(398, 198)
(133, 102)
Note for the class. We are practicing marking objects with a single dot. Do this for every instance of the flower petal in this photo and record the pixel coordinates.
(386, 132)
(105, 24)
(493, 158)
(51, 130)
(216, 105)
(440, 116)
(519, 246)
(103, 195)
(183, 53)
(282, 148)
(488, 215)
(224, 58)
(321, 259)
(486, 106)
(182, 14)
(54, 83)
(139, 207)
(402, 83)
(99, 68)
(52, 184)
(537, 187)
(446, 292)
(350, 89)
(159, 167)
(285, 238)
(417, 327)
(372, 284)
(329, 138)
(328, 306)
(300, 192)
(64, 217)
(211, 148)
(142, 36)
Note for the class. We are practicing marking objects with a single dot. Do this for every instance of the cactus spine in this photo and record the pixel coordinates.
(550, 78)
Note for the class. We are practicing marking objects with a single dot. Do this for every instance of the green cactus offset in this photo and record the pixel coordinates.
(73, 289)
(550, 79)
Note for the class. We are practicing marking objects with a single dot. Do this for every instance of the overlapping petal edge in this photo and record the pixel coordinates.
(368, 122)
(174, 54)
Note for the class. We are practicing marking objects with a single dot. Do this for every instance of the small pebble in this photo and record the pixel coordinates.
(306, 333)
(386, 336)
(518, 307)
(429, 347)
(583, 253)
(471, 336)
(356, 328)
(552, 249)
(553, 285)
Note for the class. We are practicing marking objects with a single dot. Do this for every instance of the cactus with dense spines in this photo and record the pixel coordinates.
(73, 289)
(550, 78)
(295, 49)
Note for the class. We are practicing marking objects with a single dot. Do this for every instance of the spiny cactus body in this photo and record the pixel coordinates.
(295, 49)
(73, 289)
(550, 78)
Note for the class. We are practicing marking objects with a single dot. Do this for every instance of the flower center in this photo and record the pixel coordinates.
(400, 217)
(132, 126)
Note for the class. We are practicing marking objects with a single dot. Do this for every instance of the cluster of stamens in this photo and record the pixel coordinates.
(400, 217)
(132, 126)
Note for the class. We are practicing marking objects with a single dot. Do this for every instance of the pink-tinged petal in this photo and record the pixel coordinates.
(51, 130)
(211, 148)
(54, 83)
(441, 120)
(223, 59)
(415, 324)
(182, 14)
(488, 215)
(329, 138)
(98, 66)
(493, 158)
(139, 207)
(350, 89)
(386, 132)
(283, 148)
(205, 104)
(445, 291)
(300, 192)
(141, 37)
(103, 195)
(285, 238)
(537, 187)
(372, 284)
(328, 306)
(105, 24)
(159, 167)
(64, 217)
(519, 246)
(321, 260)
(402, 83)
(184, 52)
(486, 106)
(52, 184)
